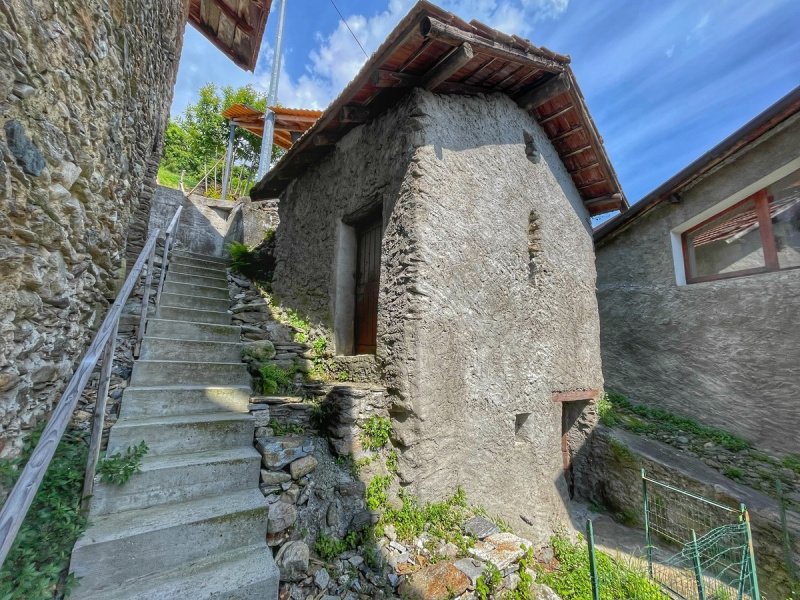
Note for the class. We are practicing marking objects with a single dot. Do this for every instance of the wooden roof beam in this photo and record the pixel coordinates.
(544, 92)
(352, 113)
(433, 28)
(555, 115)
(448, 65)
(238, 21)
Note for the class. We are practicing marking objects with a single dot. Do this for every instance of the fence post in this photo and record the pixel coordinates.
(648, 540)
(698, 569)
(592, 561)
(99, 417)
(752, 558)
(145, 301)
(164, 262)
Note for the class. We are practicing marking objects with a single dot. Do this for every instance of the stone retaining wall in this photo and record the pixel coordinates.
(85, 89)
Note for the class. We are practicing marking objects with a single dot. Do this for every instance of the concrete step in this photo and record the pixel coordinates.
(198, 262)
(179, 434)
(156, 348)
(180, 254)
(178, 313)
(195, 302)
(247, 573)
(178, 478)
(171, 372)
(191, 289)
(217, 274)
(117, 547)
(182, 400)
(179, 276)
(186, 330)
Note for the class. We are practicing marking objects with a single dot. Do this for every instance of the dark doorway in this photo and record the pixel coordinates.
(368, 272)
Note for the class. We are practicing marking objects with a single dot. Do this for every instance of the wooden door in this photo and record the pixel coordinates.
(368, 271)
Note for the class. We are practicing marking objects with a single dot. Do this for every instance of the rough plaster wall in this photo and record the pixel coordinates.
(488, 341)
(85, 88)
(723, 352)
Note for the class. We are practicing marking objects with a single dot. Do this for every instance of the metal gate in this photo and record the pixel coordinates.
(697, 549)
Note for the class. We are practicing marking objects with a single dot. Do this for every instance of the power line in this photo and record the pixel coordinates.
(348, 29)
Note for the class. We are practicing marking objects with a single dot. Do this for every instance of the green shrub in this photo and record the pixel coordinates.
(375, 432)
(269, 234)
(605, 410)
(241, 256)
(118, 468)
(41, 550)
(377, 494)
(328, 547)
(733, 472)
(571, 579)
(275, 379)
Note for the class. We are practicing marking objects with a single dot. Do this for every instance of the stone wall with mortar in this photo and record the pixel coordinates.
(722, 352)
(487, 301)
(85, 89)
(613, 475)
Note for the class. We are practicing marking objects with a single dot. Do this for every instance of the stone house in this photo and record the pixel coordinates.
(85, 90)
(699, 289)
(435, 224)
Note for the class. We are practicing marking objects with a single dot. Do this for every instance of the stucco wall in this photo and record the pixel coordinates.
(85, 89)
(467, 338)
(724, 352)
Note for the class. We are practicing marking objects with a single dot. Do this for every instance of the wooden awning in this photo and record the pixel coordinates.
(434, 49)
(290, 123)
(234, 26)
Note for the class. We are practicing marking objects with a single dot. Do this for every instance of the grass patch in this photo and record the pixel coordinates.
(40, 554)
(622, 454)
(375, 432)
(118, 468)
(171, 179)
(792, 461)
(733, 472)
(618, 409)
(571, 580)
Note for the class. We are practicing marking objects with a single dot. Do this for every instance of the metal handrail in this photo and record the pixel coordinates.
(19, 500)
(169, 238)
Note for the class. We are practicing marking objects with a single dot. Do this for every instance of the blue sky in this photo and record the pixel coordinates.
(665, 80)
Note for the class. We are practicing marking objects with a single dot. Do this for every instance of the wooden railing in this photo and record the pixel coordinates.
(21, 496)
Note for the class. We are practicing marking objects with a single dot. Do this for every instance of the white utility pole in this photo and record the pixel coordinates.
(272, 95)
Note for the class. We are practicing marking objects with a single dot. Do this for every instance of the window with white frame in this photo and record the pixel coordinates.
(757, 235)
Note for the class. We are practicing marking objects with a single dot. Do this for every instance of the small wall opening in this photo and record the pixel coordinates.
(519, 424)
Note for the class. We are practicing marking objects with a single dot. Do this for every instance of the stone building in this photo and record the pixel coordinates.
(699, 289)
(436, 221)
(85, 90)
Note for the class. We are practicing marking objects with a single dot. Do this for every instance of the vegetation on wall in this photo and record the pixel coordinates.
(35, 569)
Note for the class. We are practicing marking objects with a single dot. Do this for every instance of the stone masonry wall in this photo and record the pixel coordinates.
(85, 88)
(722, 352)
(487, 301)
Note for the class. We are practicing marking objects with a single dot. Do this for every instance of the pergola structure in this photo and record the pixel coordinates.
(290, 125)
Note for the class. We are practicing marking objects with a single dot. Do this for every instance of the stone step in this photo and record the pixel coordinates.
(172, 372)
(181, 277)
(277, 400)
(198, 262)
(191, 289)
(247, 573)
(292, 414)
(156, 348)
(187, 330)
(195, 302)
(117, 547)
(219, 260)
(177, 313)
(216, 274)
(179, 434)
(178, 478)
(182, 400)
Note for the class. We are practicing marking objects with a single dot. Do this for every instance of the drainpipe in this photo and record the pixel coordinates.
(269, 117)
(226, 171)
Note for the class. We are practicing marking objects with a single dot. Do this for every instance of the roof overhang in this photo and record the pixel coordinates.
(234, 26)
(435, 50)
(738, 141)
(290, 123)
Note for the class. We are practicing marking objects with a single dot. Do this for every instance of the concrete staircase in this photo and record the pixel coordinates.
(192, 523)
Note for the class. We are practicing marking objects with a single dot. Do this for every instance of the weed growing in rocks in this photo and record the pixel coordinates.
(40, 554)
(285, 429)
(328, 547)
(570, 579)
(391, 461)
(734, 473)
(241, 256)
(375, 432)
(488, 582)
(377, 494)
(118, 468)
(275, 379)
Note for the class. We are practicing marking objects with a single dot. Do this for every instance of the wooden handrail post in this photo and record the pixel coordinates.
(99, 417)
(145, 301)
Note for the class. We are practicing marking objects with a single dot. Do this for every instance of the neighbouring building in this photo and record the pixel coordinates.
(85, 90)
(699, 287)
(436, 220)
